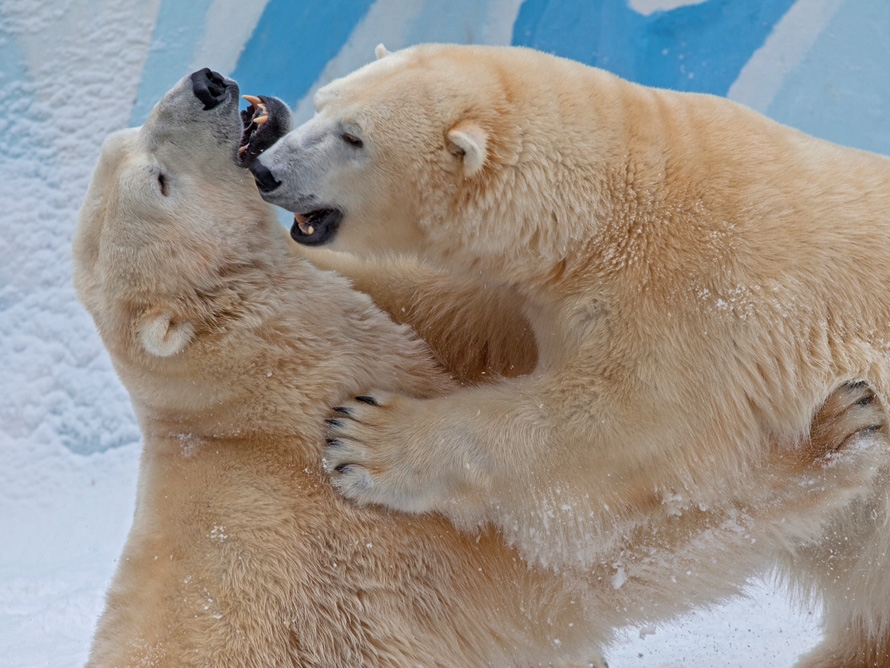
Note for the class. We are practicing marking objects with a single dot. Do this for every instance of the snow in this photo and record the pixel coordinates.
(762, 629)
(69, 73)
(68, 438)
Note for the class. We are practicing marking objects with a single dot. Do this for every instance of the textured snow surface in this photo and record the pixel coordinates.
(69, 445)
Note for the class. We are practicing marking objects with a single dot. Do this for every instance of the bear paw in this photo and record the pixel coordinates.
(379, 453)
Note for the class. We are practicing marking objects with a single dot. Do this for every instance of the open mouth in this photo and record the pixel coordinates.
(265, 121)
(315, 227)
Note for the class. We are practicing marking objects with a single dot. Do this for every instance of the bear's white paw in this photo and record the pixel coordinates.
(378, 453)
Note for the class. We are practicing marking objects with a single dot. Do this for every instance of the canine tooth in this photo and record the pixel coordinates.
(260, 120)
(253, 99)
(243, 148)
(302, 223)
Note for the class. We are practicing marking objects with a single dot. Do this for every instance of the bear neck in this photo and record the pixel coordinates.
(285, 349)
(630, 189)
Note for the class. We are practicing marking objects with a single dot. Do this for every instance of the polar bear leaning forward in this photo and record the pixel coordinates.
(698, 278)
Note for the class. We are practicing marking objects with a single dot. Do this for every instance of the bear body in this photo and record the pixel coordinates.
(698, 278)
(232, 349)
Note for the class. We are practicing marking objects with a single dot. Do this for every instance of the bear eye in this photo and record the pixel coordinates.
(352, 140)
(162, 184)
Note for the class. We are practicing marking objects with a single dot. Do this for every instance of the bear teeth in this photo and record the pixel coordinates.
(261, 114)
(303, 223)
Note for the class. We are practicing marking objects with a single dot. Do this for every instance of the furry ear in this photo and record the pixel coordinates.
(380, 51)
(471, 141)
(163, 336)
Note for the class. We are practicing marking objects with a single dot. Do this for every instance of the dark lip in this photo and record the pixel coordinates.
(323, 223)
(257, 137)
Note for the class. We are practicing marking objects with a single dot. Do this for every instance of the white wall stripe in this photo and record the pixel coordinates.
(401, 23)
(763, 75)
(227, 27)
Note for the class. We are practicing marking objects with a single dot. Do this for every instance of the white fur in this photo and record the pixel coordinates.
(471, 141)
(163, 337)
(698, 278)
(232, 349)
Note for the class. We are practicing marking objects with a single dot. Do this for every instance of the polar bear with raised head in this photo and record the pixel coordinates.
(232, 348)
(698, 279)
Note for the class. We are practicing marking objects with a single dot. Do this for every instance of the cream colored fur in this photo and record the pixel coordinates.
(699, 279)
(232, 349)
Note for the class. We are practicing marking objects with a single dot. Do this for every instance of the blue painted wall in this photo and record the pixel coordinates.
(837, 87)
(699, 48)
(293, 42)
(841, 88)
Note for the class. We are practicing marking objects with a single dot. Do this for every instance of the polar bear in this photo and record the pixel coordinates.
(698, 279)
(232, 349)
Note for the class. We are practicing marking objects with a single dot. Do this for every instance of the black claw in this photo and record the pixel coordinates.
(333, 442)
(367, 400)
(334, 422)
(343, 411)
(341, 468)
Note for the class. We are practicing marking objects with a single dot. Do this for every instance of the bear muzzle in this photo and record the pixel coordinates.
(266, 120)
(210, 87)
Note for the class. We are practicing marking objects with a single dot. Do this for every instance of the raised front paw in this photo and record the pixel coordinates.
(381, 449)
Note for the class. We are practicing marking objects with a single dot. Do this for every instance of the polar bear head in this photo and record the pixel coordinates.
(210, 317)
(428, 150)
(167, 212)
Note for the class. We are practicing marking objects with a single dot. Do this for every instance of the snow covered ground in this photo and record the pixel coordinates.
(64, 517)
(69, 445)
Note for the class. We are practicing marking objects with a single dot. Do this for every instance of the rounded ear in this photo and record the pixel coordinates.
(163, 336)
(470, 141)
(380, 51)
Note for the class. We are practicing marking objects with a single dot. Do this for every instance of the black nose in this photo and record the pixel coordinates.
(209, 87)
(264, 179)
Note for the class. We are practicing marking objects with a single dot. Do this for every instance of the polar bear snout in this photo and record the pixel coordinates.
(265, 180)
(265, 121)
(209, 87)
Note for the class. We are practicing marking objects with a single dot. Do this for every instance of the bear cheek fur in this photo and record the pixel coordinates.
(135, 245)
(454, 169)
(416, 197)
(466, 195)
